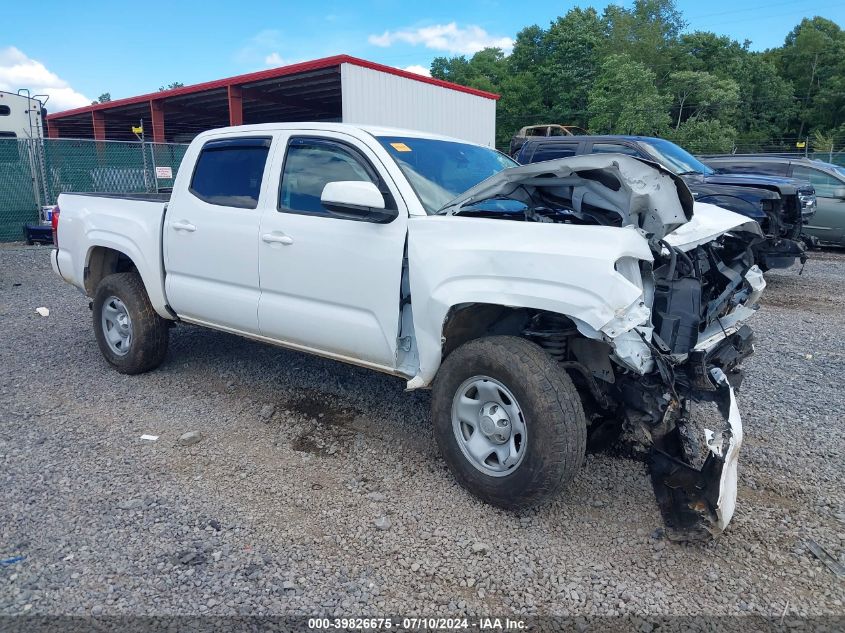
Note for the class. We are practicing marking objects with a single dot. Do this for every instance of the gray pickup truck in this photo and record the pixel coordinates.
(828, 224)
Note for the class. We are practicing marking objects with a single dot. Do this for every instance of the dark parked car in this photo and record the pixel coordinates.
(828, 224)
(781, 205)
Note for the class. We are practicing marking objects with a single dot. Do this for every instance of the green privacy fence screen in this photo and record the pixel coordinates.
(17, 197)
(34, 172)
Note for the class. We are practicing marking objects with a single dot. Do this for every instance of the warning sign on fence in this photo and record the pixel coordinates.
(164, 172)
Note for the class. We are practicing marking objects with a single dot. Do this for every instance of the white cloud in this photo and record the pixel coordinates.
(17, 70)
(274, 59)
(444, 37)
(262, 50)
(420, 70)
(260, 47)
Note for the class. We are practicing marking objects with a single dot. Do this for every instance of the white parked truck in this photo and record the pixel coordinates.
(543, 305)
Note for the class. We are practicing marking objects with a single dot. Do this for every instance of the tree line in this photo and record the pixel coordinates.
(640, 70)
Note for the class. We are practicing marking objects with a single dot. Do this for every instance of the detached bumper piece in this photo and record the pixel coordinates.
(38, 234)
(698, 503)
(779, 253)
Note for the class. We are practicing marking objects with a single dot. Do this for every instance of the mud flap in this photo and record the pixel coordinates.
(697, 504)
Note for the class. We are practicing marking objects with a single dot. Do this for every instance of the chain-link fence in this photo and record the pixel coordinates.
(34, 172)
(18, 203)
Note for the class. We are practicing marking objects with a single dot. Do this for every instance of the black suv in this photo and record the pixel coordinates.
(780, 205)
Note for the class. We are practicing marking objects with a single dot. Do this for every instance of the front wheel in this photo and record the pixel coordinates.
(508, 421)
(131, 335)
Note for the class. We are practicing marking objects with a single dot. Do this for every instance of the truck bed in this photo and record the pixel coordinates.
(128, 223)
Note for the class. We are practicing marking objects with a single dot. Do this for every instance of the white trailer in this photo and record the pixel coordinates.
(21, 115)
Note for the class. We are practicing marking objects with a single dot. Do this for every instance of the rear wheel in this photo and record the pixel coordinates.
(131, 335)
(508, 421)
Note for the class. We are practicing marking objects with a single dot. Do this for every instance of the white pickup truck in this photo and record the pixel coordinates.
(545, 305)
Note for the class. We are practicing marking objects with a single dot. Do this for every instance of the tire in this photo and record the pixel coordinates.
(553, 420)
(123, 294)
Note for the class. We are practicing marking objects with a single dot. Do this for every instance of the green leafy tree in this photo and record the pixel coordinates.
(824, 142)
(103, 98)
(647, 32)
(705, 51)
(484, 70)
(519, 105)
(625, 100)
(634, 69)
(813, 59)
(704, 136)
(766, 101)
(529, 50)
(573, 58)
(171, 86)
(700, 95)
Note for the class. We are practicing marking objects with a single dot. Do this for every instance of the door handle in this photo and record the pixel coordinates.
(184, 225)
(277, 238)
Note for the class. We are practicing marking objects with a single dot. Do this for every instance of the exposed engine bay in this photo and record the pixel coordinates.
(682, 342)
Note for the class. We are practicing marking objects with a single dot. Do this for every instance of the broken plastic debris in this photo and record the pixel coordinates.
(11, 561)
(832, 564)
(45, 312)
(149, 438)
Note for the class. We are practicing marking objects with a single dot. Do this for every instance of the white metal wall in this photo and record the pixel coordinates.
(371, 97)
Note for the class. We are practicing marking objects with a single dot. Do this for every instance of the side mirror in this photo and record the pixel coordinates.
(356, 200)
(839, 192)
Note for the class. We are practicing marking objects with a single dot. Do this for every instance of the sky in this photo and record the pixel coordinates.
(76, 51)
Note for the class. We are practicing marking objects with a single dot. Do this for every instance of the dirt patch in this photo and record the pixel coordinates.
(330, 427)
(320, 407)
(808, 303)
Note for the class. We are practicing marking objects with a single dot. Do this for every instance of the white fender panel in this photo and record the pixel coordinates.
(563, 268)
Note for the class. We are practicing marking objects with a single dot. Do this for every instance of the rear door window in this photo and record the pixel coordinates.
(551, 151)
(229, 171)
(614, 148)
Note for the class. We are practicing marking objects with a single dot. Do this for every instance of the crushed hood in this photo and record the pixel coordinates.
(630, 190)
(707, 223)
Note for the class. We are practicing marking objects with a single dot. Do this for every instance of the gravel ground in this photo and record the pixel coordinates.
(317, 488)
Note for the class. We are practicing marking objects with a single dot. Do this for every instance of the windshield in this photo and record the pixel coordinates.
(440, 170)
(839, 169)
(674, 158)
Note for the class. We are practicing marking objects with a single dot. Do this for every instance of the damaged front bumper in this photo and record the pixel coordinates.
(699, 503)
(693, 470)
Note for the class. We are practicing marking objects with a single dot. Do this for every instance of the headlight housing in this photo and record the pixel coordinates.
(807, 198)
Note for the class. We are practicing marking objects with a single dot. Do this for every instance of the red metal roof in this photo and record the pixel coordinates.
(317, 64)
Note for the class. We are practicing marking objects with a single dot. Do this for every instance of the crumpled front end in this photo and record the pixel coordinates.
(697, 502)
(644, 333)
(702, 294)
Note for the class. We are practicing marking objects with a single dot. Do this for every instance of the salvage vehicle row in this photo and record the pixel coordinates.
(781, 205)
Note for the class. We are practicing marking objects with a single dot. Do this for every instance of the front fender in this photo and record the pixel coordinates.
(565, 269)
